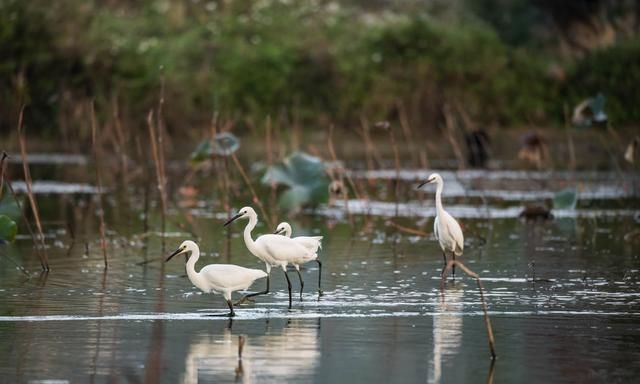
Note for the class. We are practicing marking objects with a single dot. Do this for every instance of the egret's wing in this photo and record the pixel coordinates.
(456, 234)
(230, 276)
(435, 228)
(283, 248)
(312, 243)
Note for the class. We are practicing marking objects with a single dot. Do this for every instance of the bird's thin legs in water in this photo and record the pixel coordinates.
(453, 267)
(301, 283)
(319, 277)
(230, 304)
(250, 295)
(230, 314)
(444, 266)
(288, 286)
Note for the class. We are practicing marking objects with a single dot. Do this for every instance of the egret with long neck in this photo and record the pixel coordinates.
(273, 250)
(312, 243)
(445, 228)
(217, 278)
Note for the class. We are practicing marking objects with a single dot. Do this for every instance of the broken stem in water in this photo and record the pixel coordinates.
(487, 320)
(103, 241)
(42, 253)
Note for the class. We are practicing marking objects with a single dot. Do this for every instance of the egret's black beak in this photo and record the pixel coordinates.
(277, 231)
(232, 219)
(424, 183)
(177, 252)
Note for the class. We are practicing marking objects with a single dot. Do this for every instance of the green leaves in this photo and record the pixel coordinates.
(9, 212)
(565, 199)
(223, 144)
(8, 229)
(305, 178)
(8, 205)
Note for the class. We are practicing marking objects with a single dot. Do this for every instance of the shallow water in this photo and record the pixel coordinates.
(563, 295)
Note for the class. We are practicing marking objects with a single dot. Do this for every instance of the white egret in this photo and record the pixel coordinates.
(445, 227)
(274, 250)
(312, 243)
(217, 278)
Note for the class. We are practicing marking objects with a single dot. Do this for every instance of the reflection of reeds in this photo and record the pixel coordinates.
(39, 241)
(96, 157)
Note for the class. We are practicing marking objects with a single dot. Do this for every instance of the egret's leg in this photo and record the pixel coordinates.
(444, 258)
(319, 277)
(248, 296)
(301, 282)
(230, 304)
(453, 267)
(288, 285)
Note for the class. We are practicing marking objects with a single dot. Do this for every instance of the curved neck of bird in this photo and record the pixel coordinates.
(287, 232)
(439, 197)
(191, 265)
(251, 245)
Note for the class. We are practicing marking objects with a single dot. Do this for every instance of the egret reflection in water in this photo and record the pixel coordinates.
(447, 331)
(279, 355)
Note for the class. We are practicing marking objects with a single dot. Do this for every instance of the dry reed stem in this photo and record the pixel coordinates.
(247, 181)
(408, 230)
(446, 110)
(571, 147)
(332, 151)
(487, 320)
(103, 241)
(406, 129)
(396, 160)
(44, 260)
(2, 170)
(121, 140)
(155, 151)
(269, 148)
(26, 220)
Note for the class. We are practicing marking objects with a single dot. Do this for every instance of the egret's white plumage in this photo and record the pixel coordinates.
(274, 250)
(445, 228)
(312, 243)
(217, 278)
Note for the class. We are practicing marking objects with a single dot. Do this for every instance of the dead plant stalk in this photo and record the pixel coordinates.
(487, 320)
(96, 161)
(42, 253)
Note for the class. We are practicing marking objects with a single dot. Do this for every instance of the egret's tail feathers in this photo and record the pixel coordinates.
(319, 240)
(258, 274)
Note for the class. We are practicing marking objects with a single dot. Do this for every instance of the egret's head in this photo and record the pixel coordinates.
(433, 178)
(243, 213)
(283, 229)
(187, 246)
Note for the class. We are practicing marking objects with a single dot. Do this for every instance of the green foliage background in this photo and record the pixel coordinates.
(321, 60)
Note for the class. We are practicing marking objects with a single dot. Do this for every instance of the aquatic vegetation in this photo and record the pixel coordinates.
(8, 229)
(305, 178)
(222, 144)
(565, 199)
